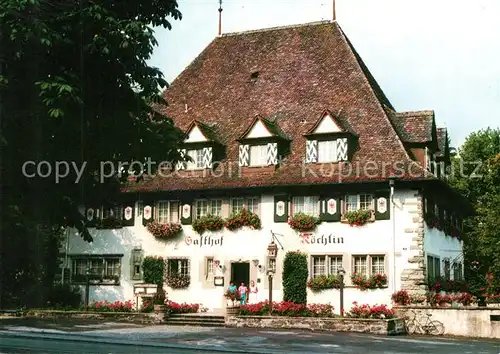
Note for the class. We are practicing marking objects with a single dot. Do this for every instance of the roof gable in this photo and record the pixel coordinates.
(326, 124)
(198, 132)
(262, 128)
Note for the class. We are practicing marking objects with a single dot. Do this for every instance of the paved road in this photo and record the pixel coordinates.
(71, 336)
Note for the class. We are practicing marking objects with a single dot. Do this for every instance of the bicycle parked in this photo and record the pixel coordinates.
(415, 326)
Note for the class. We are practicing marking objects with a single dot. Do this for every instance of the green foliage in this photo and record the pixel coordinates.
(243, 218)
(154, 270)
(358, 217)
(64, 296)
(295, 276)
(75, 86)
(208, 222)
(324, 282)
(303, 222)
(477, 176)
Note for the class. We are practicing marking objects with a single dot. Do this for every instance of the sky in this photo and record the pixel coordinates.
(442, 55)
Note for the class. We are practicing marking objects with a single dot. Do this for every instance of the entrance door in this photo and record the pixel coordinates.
(240, 272)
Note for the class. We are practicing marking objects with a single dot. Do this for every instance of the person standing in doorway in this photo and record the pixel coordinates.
(243, 293)
(252, 296)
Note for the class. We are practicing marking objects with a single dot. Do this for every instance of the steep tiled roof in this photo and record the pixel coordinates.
(293, 73)
(442, 138)
(414, 127)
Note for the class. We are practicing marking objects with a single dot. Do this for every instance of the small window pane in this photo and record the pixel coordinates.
(237, 205)
(378, 265)
(216, 207)
(327, 151)
(365, 202)
(174, 212)
(201, 208)
(335, 264)
(258, 155)
(319, 266)
(210, 268)
(162, 212)
(360, 265)
(351, 203)
(253, 205)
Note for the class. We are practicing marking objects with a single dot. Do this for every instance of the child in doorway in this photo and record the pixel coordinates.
(243, 290)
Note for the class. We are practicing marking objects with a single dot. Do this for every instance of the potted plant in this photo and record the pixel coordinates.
(243, 218)
(358, 217)
(401, 298)
(208, 223)
(303, 222)
(164, 231)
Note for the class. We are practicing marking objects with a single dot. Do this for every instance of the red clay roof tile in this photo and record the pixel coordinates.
(302, 69)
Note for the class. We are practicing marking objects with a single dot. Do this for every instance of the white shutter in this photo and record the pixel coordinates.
(207, 157)
(311, 151)
(244, 157)
(181, 165)
(272, 153)
(342, 149)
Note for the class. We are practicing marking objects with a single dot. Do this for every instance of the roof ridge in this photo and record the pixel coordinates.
(275, 28)
(417, 112)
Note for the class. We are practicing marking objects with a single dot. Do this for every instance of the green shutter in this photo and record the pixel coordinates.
(281, 208)
(383, 206)
(148, 217)
(187, 210)
(330, 209)
(128, 217)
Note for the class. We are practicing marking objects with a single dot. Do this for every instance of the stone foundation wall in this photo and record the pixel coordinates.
(147, 318)
(413, 278)
(383, 327)
(477, 322)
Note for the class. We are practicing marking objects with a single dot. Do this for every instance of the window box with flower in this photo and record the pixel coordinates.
(376, 281)
(164, 231)
(358, 217)
(178, 281)
(303, 222)
(324, 282)
(208, 223)
(243, 218)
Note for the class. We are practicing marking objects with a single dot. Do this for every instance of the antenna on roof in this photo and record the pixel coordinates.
(220, 17)
(334, 14)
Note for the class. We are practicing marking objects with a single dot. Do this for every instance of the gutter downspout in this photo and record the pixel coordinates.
(393, 212)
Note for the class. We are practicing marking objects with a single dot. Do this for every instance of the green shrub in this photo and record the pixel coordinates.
(64, 296)
(154, 270)
(295, 276)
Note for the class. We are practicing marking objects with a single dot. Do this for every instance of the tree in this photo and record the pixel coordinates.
(477, 177)
(75, 91)
(295, 275)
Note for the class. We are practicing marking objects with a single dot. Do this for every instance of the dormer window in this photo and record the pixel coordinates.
(258, 155)
(261, 144)
(328, 140)
(196, 156)
(200, 146)
(327, 151)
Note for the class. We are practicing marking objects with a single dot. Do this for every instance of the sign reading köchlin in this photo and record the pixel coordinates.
(312, 239)
(204, 241)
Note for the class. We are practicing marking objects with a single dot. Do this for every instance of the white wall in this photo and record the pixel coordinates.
(438, 244)
(372, 239)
